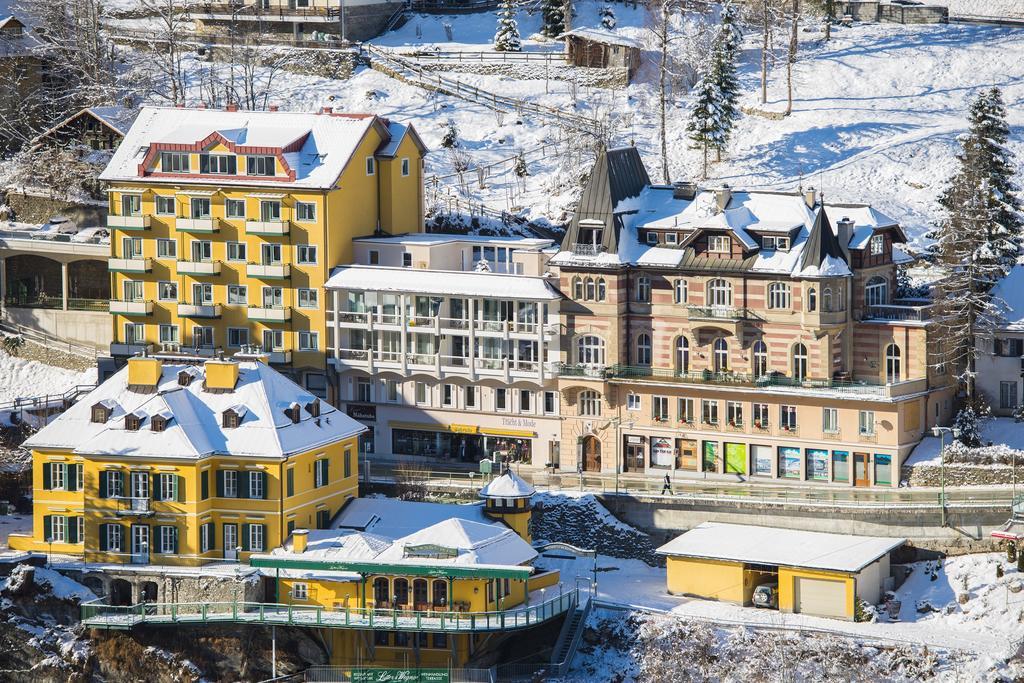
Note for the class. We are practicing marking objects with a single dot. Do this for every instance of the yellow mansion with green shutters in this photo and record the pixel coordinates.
(185, 461)
(225, 225)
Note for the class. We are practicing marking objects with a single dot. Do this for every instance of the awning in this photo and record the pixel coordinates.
(196, 193)
(520, 433)
(464, 429)
(127, 190)
(266, 195)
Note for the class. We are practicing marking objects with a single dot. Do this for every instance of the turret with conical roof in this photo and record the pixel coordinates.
(508, 497)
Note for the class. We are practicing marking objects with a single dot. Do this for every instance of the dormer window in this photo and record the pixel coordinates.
(223, 164)
(773, 242)
(230, 419)
(132, 422)
(158, 423)
(877, 245)
(671, 238)
(263, 166)
(294, 413)
(185, 378)
(313, 408)
(652, 238)
(100, 413)
(719, 244)
(174, 162)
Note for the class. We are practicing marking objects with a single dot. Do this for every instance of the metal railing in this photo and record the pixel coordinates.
(719, 312)
(98, 615)
(48, 400)
(55, 302)
(548, 57)
(898, 313)
(32, 235)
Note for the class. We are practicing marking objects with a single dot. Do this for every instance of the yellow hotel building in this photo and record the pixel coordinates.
(178, 462)
(225, 225)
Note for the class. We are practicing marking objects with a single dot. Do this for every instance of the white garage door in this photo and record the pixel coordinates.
(820, 597)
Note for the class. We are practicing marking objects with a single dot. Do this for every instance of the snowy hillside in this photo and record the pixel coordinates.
(21, 378)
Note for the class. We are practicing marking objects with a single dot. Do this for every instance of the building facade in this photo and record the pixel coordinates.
(225, 225)
(445, 346)
(1000, 361)
(184, 462)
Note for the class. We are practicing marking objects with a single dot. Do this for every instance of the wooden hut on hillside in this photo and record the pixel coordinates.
(601, 49)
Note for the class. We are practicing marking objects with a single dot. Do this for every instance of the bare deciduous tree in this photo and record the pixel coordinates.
(791, 55)
(168, 75)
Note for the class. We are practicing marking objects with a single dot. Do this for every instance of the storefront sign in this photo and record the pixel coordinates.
(789, 462)
(663, 452)
(361, 412)
(762, 460)
(463, 429)
(817, 464)
(518, 422)
(634, 439)
(400, 676)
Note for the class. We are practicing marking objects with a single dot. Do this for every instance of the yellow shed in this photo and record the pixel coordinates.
(817, 573)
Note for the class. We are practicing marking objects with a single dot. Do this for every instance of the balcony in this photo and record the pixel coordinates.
(899, 312)
(127, 506)
(133, 349)
(198, 267)
(201, 225)
(199, 310)
(120, 307)
(130, 265)
(272, 228)
(717, 313)
(587, 249)
(271, 314)
(128, 222)
(272, 271)
(279, 357)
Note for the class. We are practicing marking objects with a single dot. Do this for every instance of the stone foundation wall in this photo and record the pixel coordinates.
(35, 208)
(616, 77)
(171, 587)
(962, 475)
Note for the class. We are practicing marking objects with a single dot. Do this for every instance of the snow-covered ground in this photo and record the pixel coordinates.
(13, 524)
(20, 378)
(1004, 433)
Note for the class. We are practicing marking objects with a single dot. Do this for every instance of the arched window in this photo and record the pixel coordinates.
(719, 293)
(840, 303)
(401, 587)
(590, 350)
(577, 288)
(893, 365)
(681, 294)
(682, 355)
(826, 300)
(876, 292)
(800, 362)
(381, 592)
(643, 289)
(643, 349)
(812, 300)
(601, 289)
(590, 403)
(778, 295)
(439, 589)
(590, 291)
(760, 358)
(721, 355)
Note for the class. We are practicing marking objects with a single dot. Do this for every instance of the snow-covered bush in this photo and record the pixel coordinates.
(968, 422)
(12, 343)
(607, 15)
(506, 38)
(450, 138)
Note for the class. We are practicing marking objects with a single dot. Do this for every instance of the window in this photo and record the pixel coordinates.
(525, 401)
(448, 395)
(308, 298)
(709, 412)
(643, 289)
(671, 238)
(134, 333)
(577, 288)
(421, 393)
(601, 289)
(363, 390)
(721, 355)
(719, 244)
(206, 541)
(405, 167)
(734, 413)
(787, 418)
(471, 397)
(374, 257)
(370, 166)
(759, 411)
(877, 245)
(238, 295)
(202, 294)
(681, 293)
(589, 404)
(659, 408)
(168, 541)
(300, 591)
(684, 410)
(652, 237)
(263, 165)
(309, 341)
(166, 248)
(236, 251)
(633, 401)
(168, 489)
(1010, 348)
(590, 289)
(131, 205)
(256, 480)
(1008, 395)
(866, 423)
(682, 355)
(58, 528)
(773, 242)
(165, 206)
(826, 300)
(876, 292)
(643, 349)
(114, 484)
(202, 336)
(113, 538)
(234, 208)
(132, 290)
(719, 293)
(238, 336)
(305, 212)
(321, 472)
(779, 295)
(169, 334)
(305, 253)
(590, 350)
(830, 420)
(166, 291)
(406, 260)
(501, 399)
(202, 250)
(892, 364)
(230, 489)
(270, 211)
(58, 475)
(760, 358)
(812, 300)
(200, 207)
(174, 162)
(800, 362)
(550, 402)
(256, 537)
(221, 164)
(131, 247)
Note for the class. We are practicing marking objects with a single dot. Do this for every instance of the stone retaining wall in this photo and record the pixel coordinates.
(36, 208)
(615, 77)
(962, 475)
(173, 587)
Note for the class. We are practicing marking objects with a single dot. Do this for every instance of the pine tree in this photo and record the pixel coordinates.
(552, 18)
(450, 139)
(705, 124)
(506, 38)
(968, 421)
(608, 19)
(723, 69)
(978, 240)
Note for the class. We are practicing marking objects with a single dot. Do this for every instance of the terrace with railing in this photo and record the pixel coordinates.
(900, 310)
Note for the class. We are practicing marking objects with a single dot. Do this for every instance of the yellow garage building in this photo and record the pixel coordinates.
(817, 573)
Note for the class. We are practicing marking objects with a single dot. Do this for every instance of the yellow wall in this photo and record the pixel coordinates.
(787, 586)
(710, 579)
(518, 520)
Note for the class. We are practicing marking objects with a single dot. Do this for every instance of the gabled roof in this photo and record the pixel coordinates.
(398, 132)
(116, 119)
(598, 35)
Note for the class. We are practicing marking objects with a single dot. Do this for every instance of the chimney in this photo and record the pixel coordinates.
(144, 372)
(221, 374)
(809, 198)
(300, 537)
(231, 107)
(326, 110)
(684, 190)
(273, 107)
(722, 196)
(844, 232)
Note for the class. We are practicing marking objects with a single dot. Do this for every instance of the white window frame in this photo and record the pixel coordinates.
(788, 417)
(256, 485)
(236, 251)
(300, 591)
(830, 420)
(308, 298)
(719, 244)
(589, 403)
(115, 538)
(229, 203)
(168, 534)
(169, 334)
(305, 212)
(684, 410)
(877, 245)
(231, 483)
(866, 423)
(306, 254)
(58, 528)
(165, 198)
(162, 251)
(780, 296)
(709, 411)
(167, 290)
(309, 341)
(680, 290)
(634, 401)
(371, 166)
(205, 540)
(168, 487)
(406, 167)
(238, 295)
(239, 334)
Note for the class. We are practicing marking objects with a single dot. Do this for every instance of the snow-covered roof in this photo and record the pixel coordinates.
(1009, 296)
(784, 547)
(598, 35)
(324, 143)
(507, 485)
(197, 430)
(118, 118)
(398, 133)
(434, 238)
(441, 282)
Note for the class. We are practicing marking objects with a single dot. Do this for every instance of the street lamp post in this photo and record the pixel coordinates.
(940, 433)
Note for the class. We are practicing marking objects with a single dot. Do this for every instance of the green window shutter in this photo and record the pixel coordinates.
(71, 477)
(291, 527)
(263, 485)
(179, 488)
(291, 482)
(47, 479)
(348, 464)
(103, 538)
(220, 483)
(263, 535)
(174, 535)
(154, 487)
(245, 537)
(71, 524)
(327, 478)
(47, 526)
(243, 484)
(104, 475)
(204, 484)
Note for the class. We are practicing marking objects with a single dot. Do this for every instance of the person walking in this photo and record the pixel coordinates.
(667, 488)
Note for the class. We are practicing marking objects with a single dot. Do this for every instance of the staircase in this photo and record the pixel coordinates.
(569, 638)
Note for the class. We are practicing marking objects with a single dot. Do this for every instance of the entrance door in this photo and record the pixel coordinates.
(634, 458)
(140, 544)
(591, 454)
(687, 457)
(860, 469)
(230, 541)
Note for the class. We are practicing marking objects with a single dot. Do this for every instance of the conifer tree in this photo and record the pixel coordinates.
(608, 19)
(705, 124)
(552, 18)
(978, 240)
(506, 38)
(723, 69)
